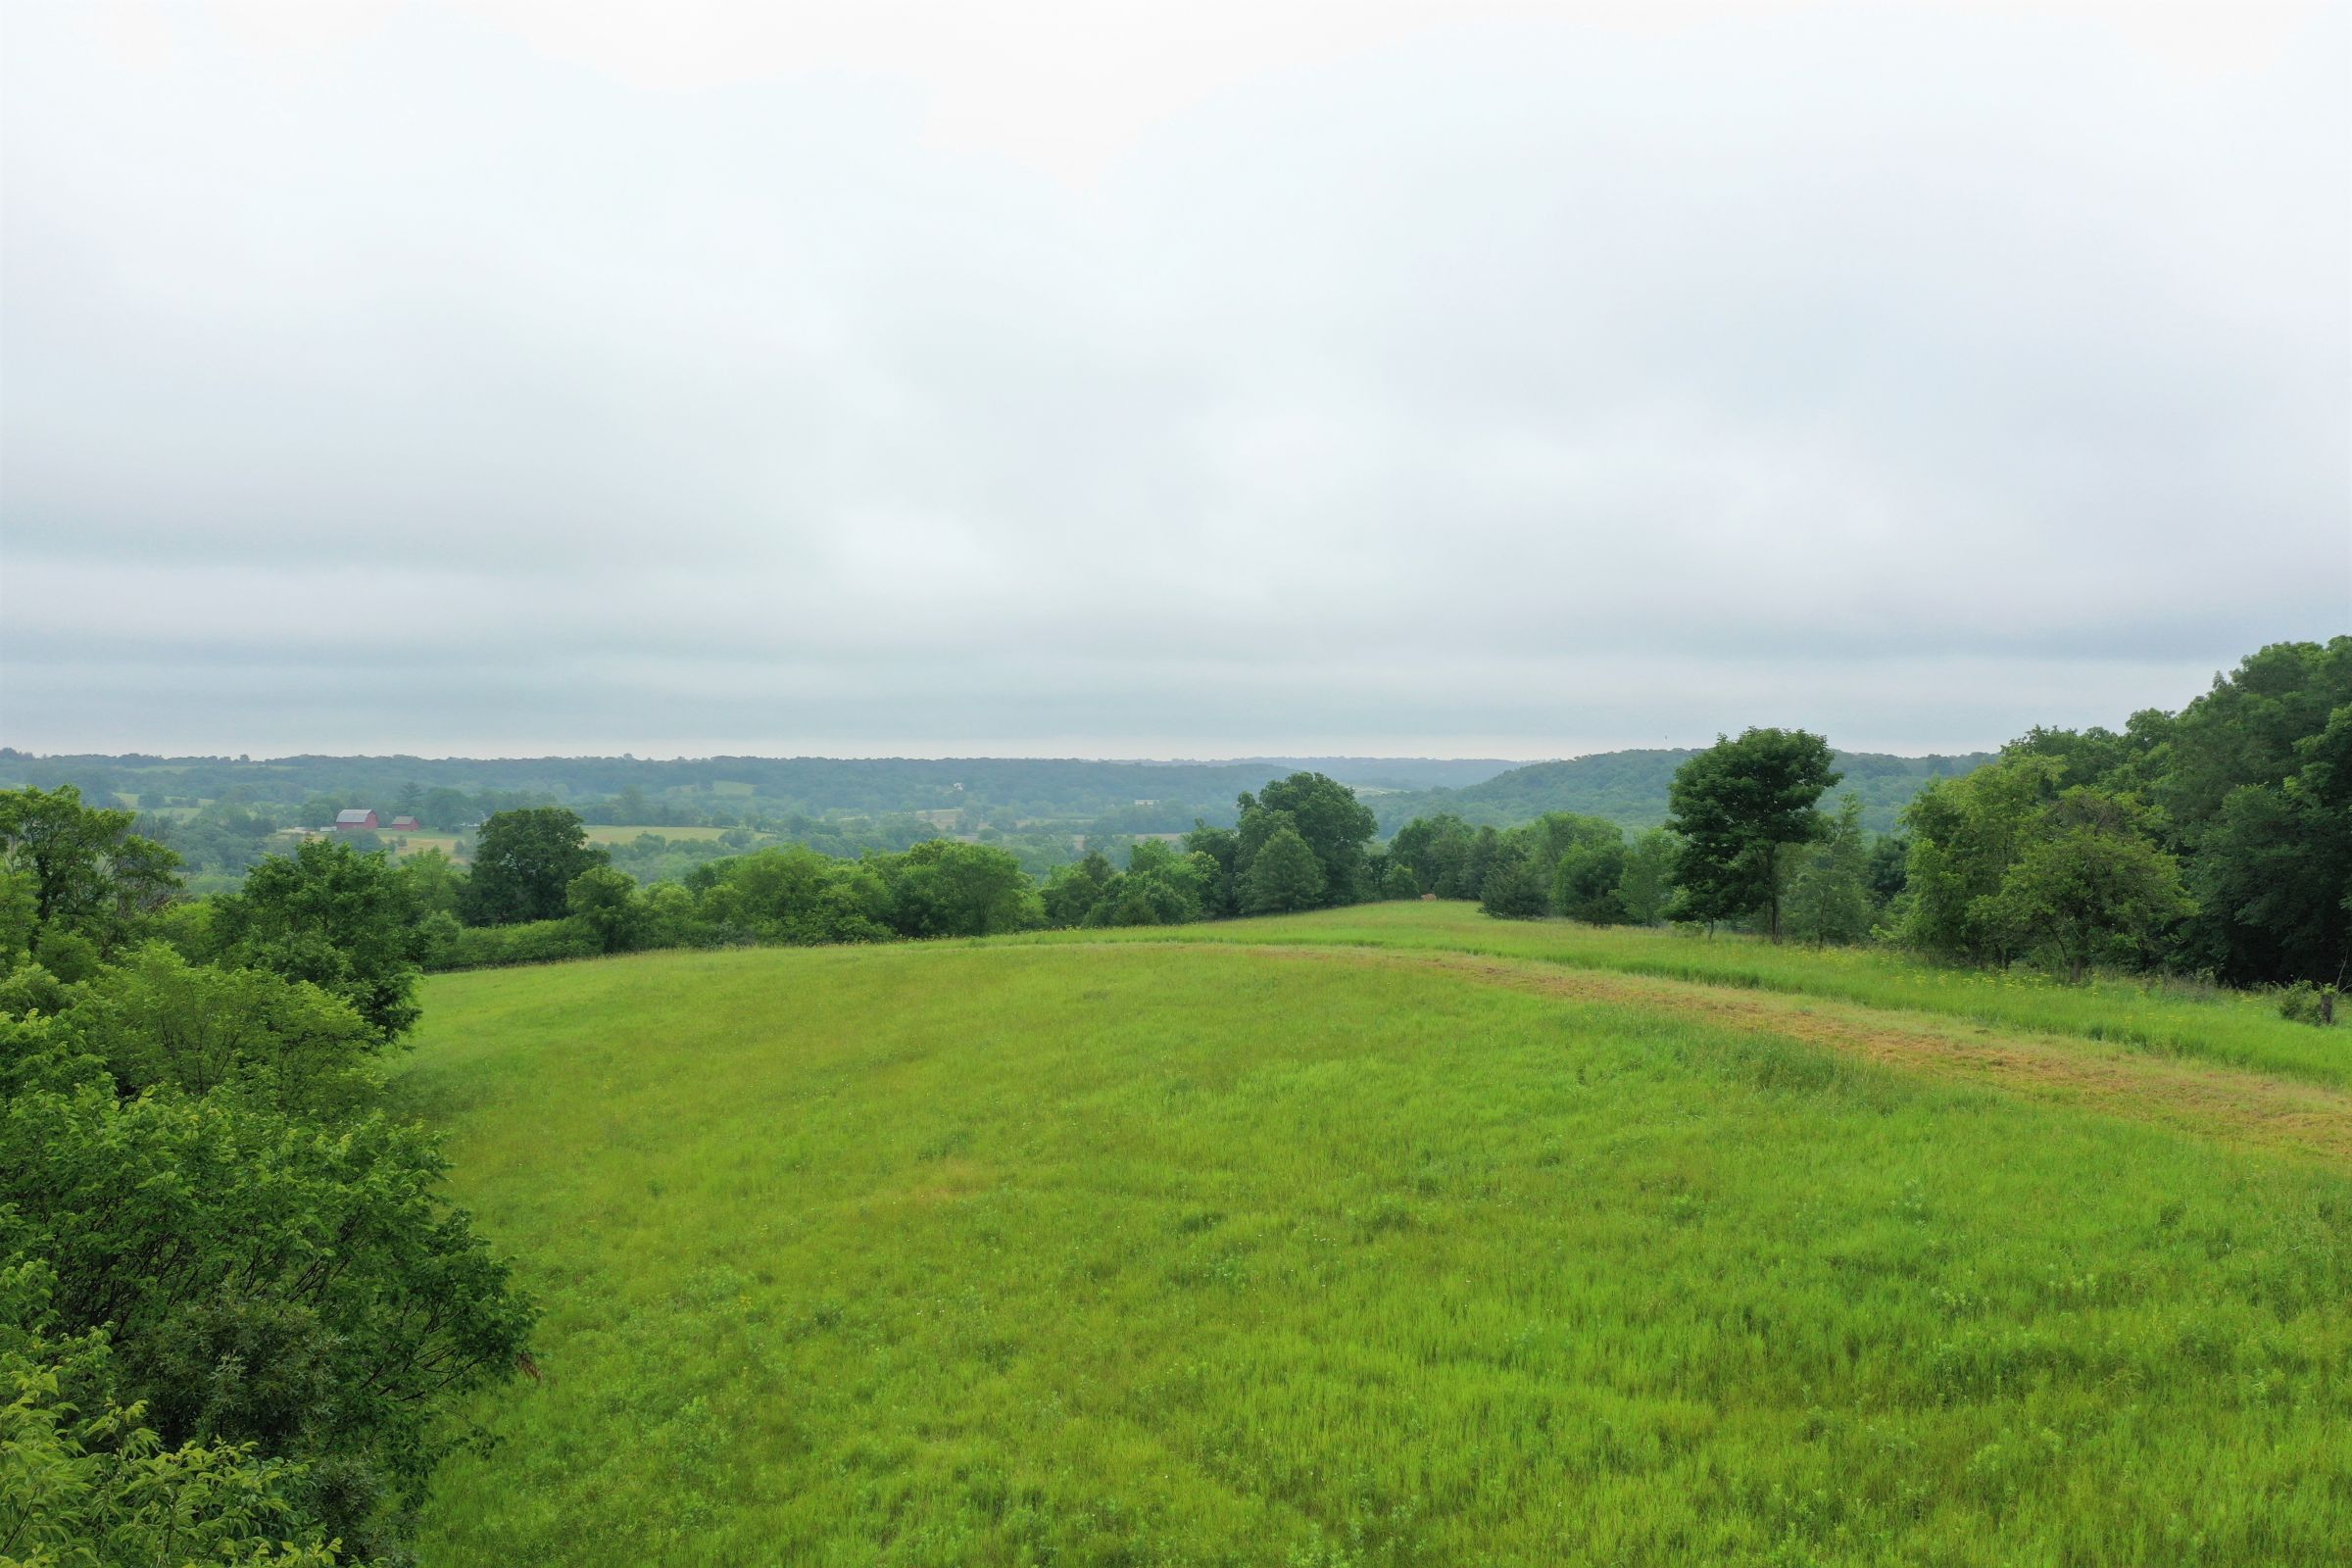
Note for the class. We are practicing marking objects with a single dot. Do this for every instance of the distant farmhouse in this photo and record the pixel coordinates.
(356, 820)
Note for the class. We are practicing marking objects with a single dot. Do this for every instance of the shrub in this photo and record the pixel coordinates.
(2305, 1002)
(490, 946)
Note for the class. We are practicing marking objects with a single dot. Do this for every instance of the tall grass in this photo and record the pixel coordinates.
(1178, 1255)
(2216, 1025)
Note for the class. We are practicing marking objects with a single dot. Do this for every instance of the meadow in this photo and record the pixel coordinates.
(1288, 1252)
(2145, 1013)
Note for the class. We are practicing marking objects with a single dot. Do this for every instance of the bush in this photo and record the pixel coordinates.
(491, 946)
(2305, 1002)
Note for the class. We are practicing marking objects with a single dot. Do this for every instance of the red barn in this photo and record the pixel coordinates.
(407, 824)
(353, 819)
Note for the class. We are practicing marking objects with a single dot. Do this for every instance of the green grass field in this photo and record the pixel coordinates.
(605, 833)
(1267, 1245)
(2214, 1025)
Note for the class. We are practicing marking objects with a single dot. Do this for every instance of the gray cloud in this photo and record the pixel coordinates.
(1506, 380)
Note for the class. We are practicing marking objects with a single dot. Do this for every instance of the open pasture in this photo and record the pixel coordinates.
(1190, 1252)
(605, 833)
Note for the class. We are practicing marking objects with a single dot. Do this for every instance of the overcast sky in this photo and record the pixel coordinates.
(1113, 380)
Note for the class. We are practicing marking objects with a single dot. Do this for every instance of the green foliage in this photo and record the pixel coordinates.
(607, 901)
(1631, 789)
(2305, 1002)
(334, 916)
(433, 883)
(159, 1020)
(1438, 850)
(85, 1484)
(1589, 885)
(1829, 889)
(1514, 887)
(790, 895)
(2249, 795)
(245, 1307)
(490, 946)
(2089, 888)
(265, 1281)
(524, 865)
(1964, 837)
(1328, 819)
(1737, 807)
(1284, 875)
(90, 876)
(1647, 885)
(947, 888)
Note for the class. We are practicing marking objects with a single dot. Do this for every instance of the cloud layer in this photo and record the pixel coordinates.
(1512, 380)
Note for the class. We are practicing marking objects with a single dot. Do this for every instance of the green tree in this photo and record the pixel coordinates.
(90, 875)
(84, 1480)
(157, 1020)
(1737, 806)
(1647, 885)
(2089, 890)
(1283, 877)
(1965, 833)
(1335, 826)
(1829, 889)
(1438, 850)
(336, 916)
(433, 883)
(1514, 887)
(1073, 890)
(943, 888)
(1221, 845)
(1589, 884)
(607, 903)
(524, 865)
(265, 1282)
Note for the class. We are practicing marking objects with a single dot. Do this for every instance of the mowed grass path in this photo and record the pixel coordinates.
(1155, 1254)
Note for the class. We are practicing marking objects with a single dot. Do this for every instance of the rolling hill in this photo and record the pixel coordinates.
(1629, 788)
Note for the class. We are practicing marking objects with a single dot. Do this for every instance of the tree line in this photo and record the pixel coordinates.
(2215, 842)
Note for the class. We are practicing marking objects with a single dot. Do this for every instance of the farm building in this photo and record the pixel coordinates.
(355, 818)
(407, 824)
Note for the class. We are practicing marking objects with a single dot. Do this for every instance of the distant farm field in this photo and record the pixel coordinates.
(1332, 1241)
(599, 833)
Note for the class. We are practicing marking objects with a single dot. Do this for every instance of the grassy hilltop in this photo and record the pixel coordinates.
(1394, 1236)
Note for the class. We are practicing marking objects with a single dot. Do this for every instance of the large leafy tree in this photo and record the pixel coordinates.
(1965, 835)
(2089, 888)
(1336, 826)
(945, 888)
(338, 917)
(1737, 806)
(2272, 873)
(1283, 877)
(524, 863)
(90, 878)
(1588, 884)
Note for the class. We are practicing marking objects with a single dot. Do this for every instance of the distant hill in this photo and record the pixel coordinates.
(1629, 788)
(1169, 794)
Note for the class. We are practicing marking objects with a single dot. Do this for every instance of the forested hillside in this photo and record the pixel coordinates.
(1629, 789)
